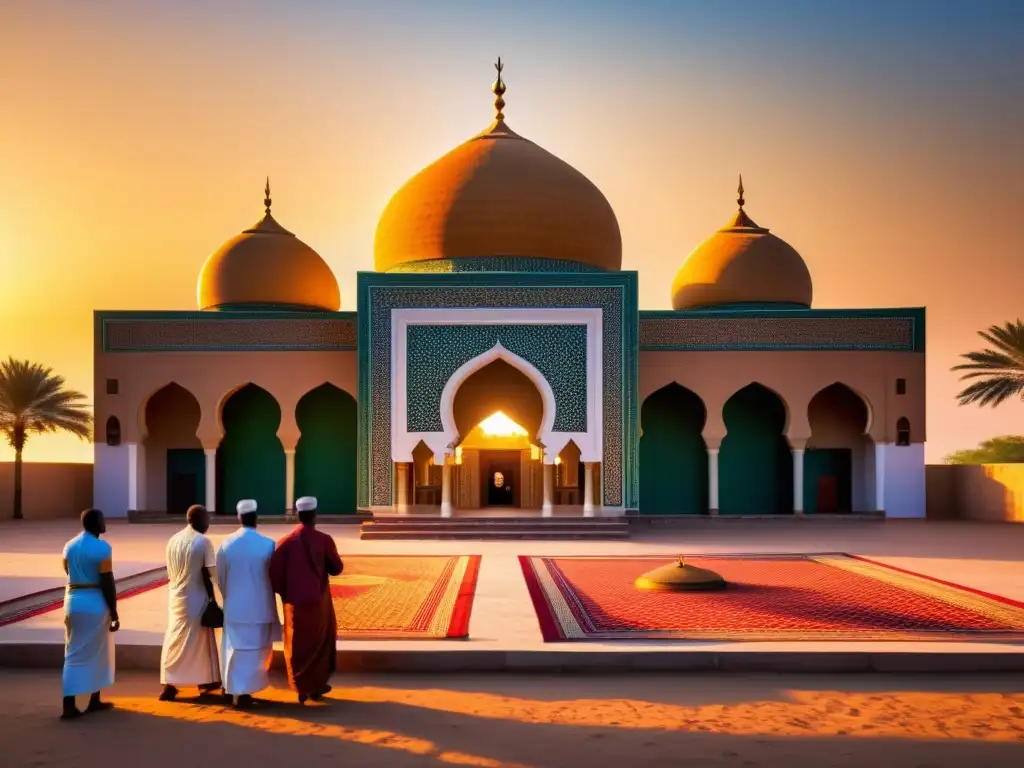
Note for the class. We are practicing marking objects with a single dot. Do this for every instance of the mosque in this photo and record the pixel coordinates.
(498, 358)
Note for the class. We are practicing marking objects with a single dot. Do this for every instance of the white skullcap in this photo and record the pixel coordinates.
(305, 504)
(246, 507)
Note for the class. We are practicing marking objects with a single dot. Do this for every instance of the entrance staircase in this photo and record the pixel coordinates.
(423, 528)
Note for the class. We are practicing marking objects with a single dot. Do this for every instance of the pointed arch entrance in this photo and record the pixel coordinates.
(325, 456)
(673, 455)
(497, 414)
(839, 461)
(755, 467)
(175, 461)
(250, 459)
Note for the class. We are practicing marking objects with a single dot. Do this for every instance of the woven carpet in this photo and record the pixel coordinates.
(405, 597)
(29, 606)
(769, 598)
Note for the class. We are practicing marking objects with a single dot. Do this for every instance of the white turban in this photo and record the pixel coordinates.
(305, 504)
(246, 507)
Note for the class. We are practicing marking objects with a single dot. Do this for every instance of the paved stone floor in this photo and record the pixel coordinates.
(988, 557)
(507, 721)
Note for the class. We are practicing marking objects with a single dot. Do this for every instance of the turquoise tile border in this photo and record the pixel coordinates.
(613, 292)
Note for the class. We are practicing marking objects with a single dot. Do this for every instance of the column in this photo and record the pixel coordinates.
(134, 475)
(446, 489)
(403, 485)
(547, 507)
(211, 479)
(713, 481)
(798, 481)
(289, 480)
(880, 477)
(588, 489)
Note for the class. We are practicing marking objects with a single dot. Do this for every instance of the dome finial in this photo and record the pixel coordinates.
(266, 196)
(498, 89)
(739, 199)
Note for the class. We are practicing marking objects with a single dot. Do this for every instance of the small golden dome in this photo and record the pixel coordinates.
(267, 266)
(742, 263)
(497, 197)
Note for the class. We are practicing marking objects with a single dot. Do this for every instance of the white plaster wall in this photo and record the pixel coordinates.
(904, 480)
(110, 479)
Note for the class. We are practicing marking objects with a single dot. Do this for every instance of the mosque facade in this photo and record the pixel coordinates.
(498, 358)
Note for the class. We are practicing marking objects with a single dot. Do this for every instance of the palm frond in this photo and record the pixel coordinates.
(33, 399)
(991, 391)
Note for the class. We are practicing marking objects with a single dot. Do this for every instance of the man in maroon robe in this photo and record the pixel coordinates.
(300, 569)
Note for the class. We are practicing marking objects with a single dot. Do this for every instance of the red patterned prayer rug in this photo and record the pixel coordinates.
(405, 597)
(28, 606)
(770, 597)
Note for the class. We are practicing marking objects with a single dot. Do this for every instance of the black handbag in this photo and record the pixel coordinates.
(213, 616)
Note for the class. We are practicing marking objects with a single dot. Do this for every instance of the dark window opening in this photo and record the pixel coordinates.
(111, 386)
(113, 431)
(901, 386)
(903, 431)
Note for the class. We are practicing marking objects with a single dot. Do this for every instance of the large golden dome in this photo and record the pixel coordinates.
(742, 264)
(498, 202)
(266, 266)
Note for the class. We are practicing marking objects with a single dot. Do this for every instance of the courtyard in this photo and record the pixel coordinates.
(503, 620)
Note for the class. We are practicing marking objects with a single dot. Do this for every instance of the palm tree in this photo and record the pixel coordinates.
(1000, 367)
(33, 400)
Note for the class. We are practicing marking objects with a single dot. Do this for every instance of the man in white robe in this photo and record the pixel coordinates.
(251, 621)
(189, 655)
(90, 616)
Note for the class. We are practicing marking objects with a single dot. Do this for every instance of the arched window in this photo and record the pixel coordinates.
(113, 431)
(903, 431)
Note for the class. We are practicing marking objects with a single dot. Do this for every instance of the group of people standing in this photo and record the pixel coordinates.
(249, 570)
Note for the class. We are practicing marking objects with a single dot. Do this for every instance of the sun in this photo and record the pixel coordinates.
(500, 425)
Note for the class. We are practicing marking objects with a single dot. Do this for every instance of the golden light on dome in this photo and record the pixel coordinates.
(500, 425)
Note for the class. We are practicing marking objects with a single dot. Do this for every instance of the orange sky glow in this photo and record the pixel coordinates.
(135, 138)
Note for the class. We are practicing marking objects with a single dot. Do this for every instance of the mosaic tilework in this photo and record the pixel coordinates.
(811, 331)
(494, 264)
(216, 332)
(435, 352)
(614, 293)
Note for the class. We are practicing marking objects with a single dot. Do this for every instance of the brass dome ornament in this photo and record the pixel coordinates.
(498, 89)
(680, 577)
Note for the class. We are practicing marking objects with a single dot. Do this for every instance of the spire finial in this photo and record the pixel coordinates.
(266, 195)
(498, 89)
(739, 198)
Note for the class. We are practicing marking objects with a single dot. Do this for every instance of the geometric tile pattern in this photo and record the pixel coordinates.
(896, 331)
(227, 331)
(435, 352)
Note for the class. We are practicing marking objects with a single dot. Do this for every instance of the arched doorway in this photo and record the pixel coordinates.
(325, 457)
(755, 466)
(838, 454)
(175, 461)
(250, 459)
(673, 456)
(569, 476)
(498, 413)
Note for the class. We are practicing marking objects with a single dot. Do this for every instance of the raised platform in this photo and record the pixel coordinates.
(146, 657)
(504, 632)
(482, 528)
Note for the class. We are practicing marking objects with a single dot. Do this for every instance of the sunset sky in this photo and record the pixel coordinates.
(884, 140)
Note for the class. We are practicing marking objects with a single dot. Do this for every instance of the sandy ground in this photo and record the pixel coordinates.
(538, 722)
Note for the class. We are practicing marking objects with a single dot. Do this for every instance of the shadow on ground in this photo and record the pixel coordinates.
(539, 722)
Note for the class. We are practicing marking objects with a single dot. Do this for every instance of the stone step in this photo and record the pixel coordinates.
(477, 533)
